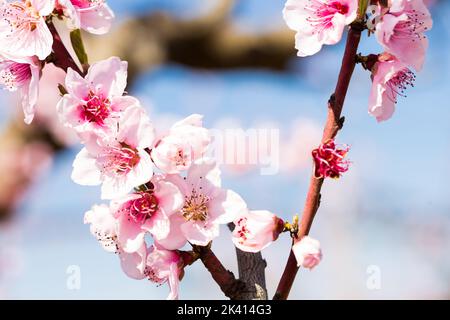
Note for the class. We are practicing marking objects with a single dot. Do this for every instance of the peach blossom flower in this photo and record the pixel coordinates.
(22, 74)
(23, 30)
(329, 160)
(186, 142)
(94, 16)
(94, 103)
(401, 31)
(318, 22)
(104, 227)
(119, 161)
(146, 211)
(206, 206)
(390, 78)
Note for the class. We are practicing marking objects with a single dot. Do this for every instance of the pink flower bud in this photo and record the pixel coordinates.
(256, 230)
(329, 160)
(307, 252)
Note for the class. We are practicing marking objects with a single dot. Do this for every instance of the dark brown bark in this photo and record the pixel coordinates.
(230, 286)
(251, 268)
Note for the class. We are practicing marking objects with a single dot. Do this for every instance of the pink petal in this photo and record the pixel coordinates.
(85, 171)
(109, 76)
(30, 94)
(97, 19)
(169, 197)
(175, 239)
(135, 128)
(76, 85)
(226, 206)
(44, 7)
(158, 225)
(130, 234)
(200, 233)
(174, 282)
(133, 264)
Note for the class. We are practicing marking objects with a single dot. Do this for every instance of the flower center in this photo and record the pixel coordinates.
(321, 13)
(195, 207)
(413, 28)
(96, 109)
(180, 158)
(151, 275)
(13, 75)
(242, 230)
(329, 160)
(20, 17)
(399, 83)
(107, 240)
(119, 160)
(142, 208)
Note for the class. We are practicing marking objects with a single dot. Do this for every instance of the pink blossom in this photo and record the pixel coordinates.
(94, 16)
(119, 161)
(146, 211)
(23, 30)
(329, 160)
(390, 78)
(318, 22)
(22, 74)
(186, 142)
(165, 266)
(256, 230)
(94, 103)
(104, 227)
(307, 252)
(206, 206)
(401, 31)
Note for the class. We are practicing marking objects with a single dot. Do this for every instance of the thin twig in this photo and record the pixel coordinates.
(333, 124)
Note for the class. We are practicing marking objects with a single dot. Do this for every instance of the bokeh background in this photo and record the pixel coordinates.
(234, 62)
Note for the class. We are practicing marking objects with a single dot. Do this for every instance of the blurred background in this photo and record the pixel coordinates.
(384, 227)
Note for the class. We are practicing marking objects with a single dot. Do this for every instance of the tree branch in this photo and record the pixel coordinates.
(230, 286)
(251, 267)
(332, 126)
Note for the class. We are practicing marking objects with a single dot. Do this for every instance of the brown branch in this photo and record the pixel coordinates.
(333, 125)
(230, 286)
(251, 268)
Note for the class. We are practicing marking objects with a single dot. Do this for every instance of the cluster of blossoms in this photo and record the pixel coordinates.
(399, 28)
(164, 192)
(26, 40)
(161, 186)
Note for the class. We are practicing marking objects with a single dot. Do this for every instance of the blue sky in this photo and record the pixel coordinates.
(390, 210)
